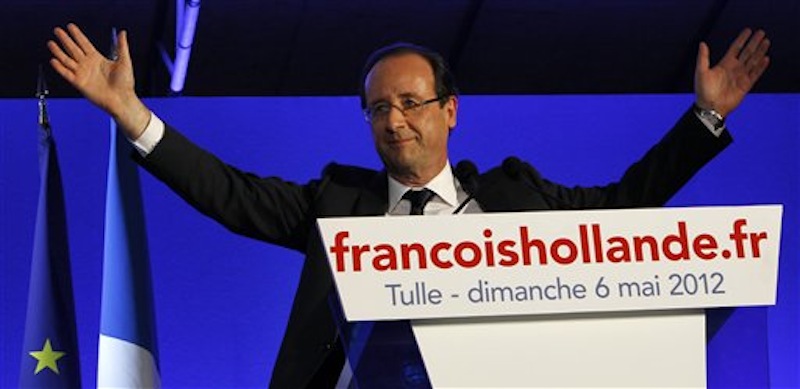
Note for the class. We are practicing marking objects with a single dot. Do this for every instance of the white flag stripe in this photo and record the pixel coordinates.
(123, 364)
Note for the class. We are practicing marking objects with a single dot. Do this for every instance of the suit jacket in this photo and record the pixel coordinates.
(284, 213)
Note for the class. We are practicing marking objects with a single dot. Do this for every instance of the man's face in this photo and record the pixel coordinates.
(413, 146)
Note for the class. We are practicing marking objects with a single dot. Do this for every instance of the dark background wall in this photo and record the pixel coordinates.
(317, 47)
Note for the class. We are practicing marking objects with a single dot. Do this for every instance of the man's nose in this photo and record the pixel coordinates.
(395, 119)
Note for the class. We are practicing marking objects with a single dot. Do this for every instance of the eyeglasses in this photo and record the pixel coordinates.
(409, 106)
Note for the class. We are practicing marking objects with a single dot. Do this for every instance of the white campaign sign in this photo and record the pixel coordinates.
(412, 267)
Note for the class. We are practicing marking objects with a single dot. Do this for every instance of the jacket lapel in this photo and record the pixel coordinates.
(373, 199)
(500, 193)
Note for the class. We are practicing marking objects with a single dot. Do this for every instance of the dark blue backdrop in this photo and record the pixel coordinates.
(222, 300)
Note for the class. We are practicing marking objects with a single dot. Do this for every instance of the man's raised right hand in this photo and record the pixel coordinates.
(109, 84)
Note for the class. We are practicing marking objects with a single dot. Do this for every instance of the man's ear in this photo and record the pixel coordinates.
(451, 108)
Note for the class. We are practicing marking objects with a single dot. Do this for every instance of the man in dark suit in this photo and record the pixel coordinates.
(411, 103)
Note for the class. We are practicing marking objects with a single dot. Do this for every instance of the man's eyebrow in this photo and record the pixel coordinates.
(408, 94)
(402, 95)
(374, 102)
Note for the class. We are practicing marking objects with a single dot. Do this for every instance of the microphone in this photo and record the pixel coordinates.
(467, 174)
(515, 169)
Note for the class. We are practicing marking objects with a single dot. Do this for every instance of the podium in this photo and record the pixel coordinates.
(574, 299)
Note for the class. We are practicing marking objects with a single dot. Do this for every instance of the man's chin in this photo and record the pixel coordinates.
(399, 164)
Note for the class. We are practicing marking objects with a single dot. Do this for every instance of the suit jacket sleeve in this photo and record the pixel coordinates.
(264, 208)
(651, 181)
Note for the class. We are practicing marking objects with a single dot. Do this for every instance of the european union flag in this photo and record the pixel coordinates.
(128, 356)
(50, 352)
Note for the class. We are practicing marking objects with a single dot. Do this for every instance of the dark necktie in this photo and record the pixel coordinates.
(418, 199)
(390, 357)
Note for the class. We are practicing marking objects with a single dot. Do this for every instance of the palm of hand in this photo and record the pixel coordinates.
(100, 79)
(724, 86)
(104, 82)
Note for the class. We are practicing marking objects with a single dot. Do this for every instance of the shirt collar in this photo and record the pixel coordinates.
(444, 185)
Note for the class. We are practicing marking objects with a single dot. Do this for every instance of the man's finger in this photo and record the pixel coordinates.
(756, 72)
(703, 62)
(752, 46)
(763, 47)
(63, 71)
(756, 40)
(758, 55)
(81, 39)
(122, 46)
(69, 45)
(738, 44)
(61, 56)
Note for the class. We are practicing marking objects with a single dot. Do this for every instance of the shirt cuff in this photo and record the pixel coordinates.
(716, 131)
(150, 137)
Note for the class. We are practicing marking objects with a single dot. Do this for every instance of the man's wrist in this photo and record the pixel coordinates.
(712, 119)
(149, 138)
(131, 115)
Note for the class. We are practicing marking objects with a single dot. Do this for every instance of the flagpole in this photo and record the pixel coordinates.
(41, 94)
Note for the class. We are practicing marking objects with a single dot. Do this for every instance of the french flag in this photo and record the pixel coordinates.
(128, 353)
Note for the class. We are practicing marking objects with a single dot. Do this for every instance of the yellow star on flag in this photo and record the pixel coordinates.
(46, 358)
